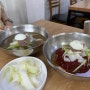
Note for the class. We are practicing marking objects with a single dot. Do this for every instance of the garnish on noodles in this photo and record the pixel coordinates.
(21, 41)
(73, 57)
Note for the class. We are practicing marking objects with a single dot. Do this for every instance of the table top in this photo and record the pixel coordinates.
(83, 6)
(55, 81)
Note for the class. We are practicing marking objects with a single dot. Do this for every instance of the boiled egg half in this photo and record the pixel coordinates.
(77, 45)
(20, 37)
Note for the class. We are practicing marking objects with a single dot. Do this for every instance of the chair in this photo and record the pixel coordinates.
(79, 18)
(57, 17)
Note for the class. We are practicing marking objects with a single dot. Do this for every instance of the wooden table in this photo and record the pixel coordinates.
(55, 81)
(81, 7)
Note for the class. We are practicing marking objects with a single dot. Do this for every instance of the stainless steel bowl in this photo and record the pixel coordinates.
(56, 41)
(21, 29)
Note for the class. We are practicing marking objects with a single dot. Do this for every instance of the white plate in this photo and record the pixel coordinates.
(42, 76)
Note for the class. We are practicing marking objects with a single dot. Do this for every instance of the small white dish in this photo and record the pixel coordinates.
(41, 77)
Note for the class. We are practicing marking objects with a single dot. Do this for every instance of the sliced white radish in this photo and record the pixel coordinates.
(73, 56)
(20, 37)
(77, 45)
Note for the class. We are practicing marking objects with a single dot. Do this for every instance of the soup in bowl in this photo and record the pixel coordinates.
(23, 40)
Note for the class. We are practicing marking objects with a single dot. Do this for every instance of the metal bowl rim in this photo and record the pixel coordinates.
(56, 67)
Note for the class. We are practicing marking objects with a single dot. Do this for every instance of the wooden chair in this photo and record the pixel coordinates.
(57, 17)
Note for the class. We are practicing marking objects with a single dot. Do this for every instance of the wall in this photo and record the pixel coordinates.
(16, 10)
(29, 11)
(35, 10)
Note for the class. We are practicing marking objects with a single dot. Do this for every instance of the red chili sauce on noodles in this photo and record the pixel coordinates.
(58, 60)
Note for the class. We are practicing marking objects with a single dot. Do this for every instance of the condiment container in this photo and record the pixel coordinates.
(87, 27)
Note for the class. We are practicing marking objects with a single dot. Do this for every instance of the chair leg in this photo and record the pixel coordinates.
(68, 18)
